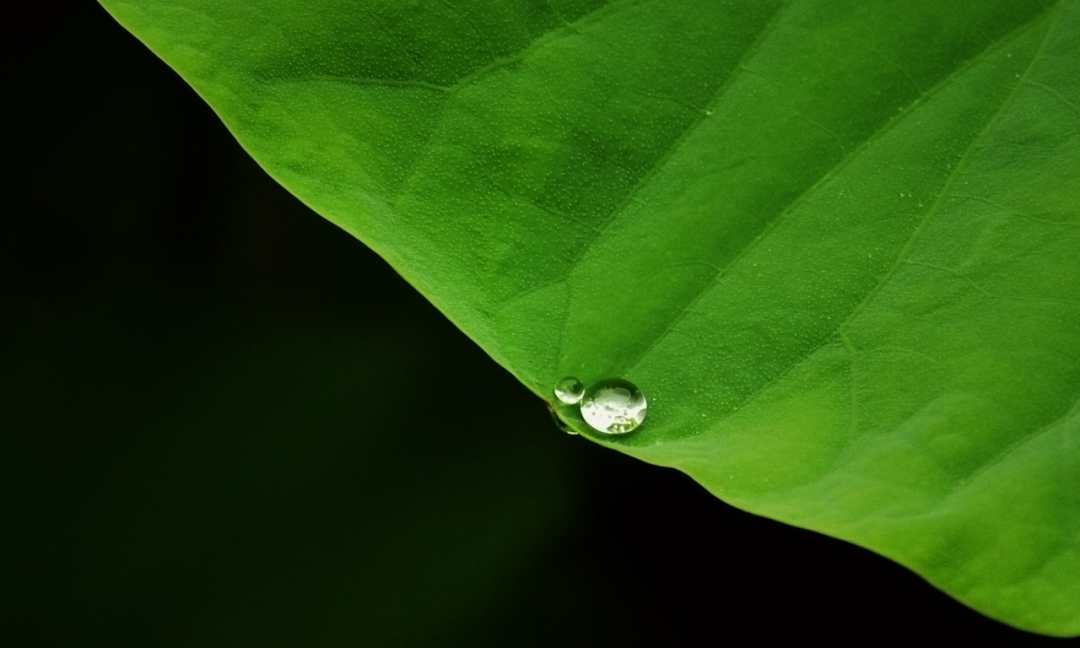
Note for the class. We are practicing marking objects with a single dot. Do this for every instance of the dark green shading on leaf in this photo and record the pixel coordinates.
(837, 244)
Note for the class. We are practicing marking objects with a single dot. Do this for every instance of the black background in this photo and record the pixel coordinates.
(223, 421)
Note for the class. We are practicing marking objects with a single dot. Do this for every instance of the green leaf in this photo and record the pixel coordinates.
(837, 244)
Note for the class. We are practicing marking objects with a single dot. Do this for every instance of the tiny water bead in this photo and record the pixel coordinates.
(559, 423)
(570, 390)
(613, 406)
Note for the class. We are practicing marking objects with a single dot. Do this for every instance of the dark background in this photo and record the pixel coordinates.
(225, 422)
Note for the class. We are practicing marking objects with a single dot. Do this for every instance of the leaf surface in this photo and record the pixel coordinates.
(836, 244)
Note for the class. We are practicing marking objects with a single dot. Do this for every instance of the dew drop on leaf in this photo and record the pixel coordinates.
(613, 406)
(569, 390)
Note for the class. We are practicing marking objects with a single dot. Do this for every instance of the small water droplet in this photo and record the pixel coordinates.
(559, 423)
(613, 406)
(569, 390)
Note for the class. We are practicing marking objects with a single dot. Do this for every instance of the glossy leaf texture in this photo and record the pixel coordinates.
(836, 243)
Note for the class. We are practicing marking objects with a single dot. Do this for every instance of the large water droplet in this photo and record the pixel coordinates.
(570, 391)
(613, 406)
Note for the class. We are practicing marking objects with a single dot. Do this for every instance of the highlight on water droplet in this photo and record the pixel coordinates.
(569, 390)
(613, 406)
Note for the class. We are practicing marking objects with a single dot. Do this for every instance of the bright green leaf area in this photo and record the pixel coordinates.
(836, 243)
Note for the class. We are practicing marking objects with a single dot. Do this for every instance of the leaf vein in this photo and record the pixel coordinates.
(781, 216)
(1053, 92)
(597, 14)
(1015, 446)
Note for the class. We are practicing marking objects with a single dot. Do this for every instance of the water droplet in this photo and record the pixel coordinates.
(559, 423)
(613, 406)
(570, 390)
